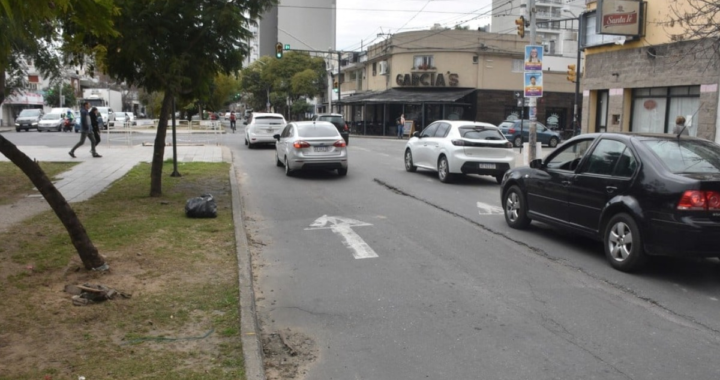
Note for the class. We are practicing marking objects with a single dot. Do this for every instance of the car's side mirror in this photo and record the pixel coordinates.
(536, 163)
(416, 134)
(276, 137)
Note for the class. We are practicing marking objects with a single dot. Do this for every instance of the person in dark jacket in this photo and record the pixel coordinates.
(85, 131)
(95, 124)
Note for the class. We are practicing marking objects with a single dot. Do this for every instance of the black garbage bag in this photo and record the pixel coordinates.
(201, 207)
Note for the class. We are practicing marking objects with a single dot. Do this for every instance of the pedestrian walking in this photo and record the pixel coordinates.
(680, 128)
(95, 123)
(85, 131)
(401, 125)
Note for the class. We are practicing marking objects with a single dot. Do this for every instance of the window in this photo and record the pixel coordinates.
(476, 59)
(353, 75)
(423, 62)
(442, 130)
(655, 109)
(374, 68)
(518, 66)
(286, 131)
(626, 164)
(32, 86)
(430, 130)
(480, 133)
(604, 157)
(687, 156)
(318, 130)
(569, 156)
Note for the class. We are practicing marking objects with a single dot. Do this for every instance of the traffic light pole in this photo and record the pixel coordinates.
(532, 152)
(339, 56)
(577, 79)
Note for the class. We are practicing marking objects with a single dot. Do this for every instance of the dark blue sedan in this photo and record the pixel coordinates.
(640, 194)
(513, 128)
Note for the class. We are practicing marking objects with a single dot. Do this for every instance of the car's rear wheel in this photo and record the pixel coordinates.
(409, 161)
(246, 141)
(623, 243)
(288, 171)
(444, 170)
(553, 142)
(278, 163)
(342, 172)
(515, 208)
(517, 142)
(17, 129)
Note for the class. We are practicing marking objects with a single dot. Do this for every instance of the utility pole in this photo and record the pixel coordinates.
(577, 76)
(339, 102)
(532, 152)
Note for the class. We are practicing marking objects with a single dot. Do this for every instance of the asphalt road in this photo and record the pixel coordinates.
(453, 292)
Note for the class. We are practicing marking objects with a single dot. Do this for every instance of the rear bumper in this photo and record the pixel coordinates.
(318, 163)
(261, 139)
(461, 163)
(679, 239)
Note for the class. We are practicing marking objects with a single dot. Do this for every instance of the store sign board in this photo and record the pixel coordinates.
(620, 17)
(427, 80)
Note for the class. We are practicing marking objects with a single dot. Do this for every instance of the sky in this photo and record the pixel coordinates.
(363, 20)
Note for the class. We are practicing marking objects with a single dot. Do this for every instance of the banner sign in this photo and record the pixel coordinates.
(619, 17)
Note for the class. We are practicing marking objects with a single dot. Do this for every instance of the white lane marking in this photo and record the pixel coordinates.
(343, 227)
(486, 209)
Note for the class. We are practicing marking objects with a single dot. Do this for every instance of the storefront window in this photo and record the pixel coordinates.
(655, 109)
(453, 112)
(414, 112)
(433, 112)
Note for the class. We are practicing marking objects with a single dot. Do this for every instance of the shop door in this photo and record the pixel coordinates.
(602, 111)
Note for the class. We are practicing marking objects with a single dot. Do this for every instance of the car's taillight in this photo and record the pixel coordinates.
(339, 144)
(301, 144)
(699, 200)
(346, 127)
(511, 130)
(458, 142)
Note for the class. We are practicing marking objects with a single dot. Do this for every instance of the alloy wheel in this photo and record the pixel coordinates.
(620, 241)
(512, 206)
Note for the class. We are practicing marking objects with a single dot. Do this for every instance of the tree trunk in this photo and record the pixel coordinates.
(159, 148)
(79, 237)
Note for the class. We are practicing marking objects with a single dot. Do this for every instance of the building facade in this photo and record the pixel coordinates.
(447, 74)
(642, 83)
(302, 24)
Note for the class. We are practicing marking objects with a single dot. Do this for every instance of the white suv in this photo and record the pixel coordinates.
(262, 127)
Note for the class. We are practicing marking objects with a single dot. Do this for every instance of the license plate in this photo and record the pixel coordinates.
(486, 166)
(321, 149)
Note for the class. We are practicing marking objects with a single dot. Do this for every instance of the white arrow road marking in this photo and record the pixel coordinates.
(486, 209)
(343, 227)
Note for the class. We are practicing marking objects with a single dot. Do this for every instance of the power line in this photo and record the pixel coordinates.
(368, 9)
(415, 15)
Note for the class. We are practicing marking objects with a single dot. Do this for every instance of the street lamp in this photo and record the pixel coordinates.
(577, 77)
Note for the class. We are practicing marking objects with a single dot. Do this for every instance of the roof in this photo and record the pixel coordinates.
(259, 114)
(397, 95)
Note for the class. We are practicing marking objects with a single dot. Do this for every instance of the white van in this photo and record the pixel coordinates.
(262, 127)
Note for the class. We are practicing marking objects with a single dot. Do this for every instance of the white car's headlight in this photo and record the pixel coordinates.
(35, 123)
(17, 124)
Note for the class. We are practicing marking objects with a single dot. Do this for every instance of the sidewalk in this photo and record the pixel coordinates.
(93, 175)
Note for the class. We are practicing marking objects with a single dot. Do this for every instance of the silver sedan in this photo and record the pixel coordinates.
(307, 145)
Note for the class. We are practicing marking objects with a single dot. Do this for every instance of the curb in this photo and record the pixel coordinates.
(249, 332)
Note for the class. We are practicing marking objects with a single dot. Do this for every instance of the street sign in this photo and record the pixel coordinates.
(287, 46)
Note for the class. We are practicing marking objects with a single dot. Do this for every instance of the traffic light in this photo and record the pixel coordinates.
(335, 85)
(278, 50)
(571, 73)
(520, 26)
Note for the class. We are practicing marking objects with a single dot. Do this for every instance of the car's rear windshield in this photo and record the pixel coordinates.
(687, 156)
(268, 120)
(478, 132)
(318, 130)
(332, 119)
(29, 112)
(52, 116)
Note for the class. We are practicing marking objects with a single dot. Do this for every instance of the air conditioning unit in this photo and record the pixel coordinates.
(383, 69)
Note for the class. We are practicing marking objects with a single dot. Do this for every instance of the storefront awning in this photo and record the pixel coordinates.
(407, 96)
(25, 98)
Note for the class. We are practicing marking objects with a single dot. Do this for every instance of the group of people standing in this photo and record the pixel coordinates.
(89, 129)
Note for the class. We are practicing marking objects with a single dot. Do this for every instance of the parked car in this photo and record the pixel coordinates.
(120, 119)
(453, 147)
(108, 115)
(338, 121)
(512, 129)
(310, 145)
(51, 122)
(28, 119)
(640, 194)
(262, 127)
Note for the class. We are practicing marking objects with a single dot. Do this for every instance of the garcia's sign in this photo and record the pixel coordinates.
(427, 80)
(620, 17)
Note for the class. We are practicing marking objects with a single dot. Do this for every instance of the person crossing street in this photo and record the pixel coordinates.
(85, 131)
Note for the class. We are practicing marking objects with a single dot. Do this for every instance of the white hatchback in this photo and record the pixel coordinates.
(262, 128)
(453, 147)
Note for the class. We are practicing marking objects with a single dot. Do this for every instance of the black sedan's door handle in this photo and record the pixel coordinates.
(610, 189)
(566, 183)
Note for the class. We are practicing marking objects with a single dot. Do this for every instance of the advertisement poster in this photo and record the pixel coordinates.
(533, 85)
(620, 17)
(533, 57)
